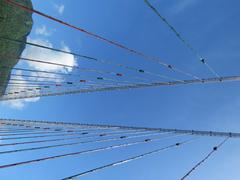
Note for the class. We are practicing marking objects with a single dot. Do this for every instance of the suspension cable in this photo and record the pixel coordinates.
(215, 148)
(108, 126)
(116, 74)
(111, 147)
(138, 70)
(134, 86)
(96, 135)
(127, 160)
(83, 132)
(123, 137)
(132, 51)
(183, 40)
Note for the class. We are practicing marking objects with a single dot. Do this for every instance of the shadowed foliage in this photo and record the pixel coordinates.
(15, 23)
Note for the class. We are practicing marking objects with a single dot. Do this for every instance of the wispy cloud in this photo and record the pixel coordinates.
(43, 31)
(18, 103)
(59, 7)
(182, 5)
(49, 56)
(44, 55)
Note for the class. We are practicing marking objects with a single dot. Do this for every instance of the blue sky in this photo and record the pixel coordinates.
(210, 26)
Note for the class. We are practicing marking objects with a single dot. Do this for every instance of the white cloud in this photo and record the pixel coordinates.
(48, 56)
(43, 55)
(60, 8)
(46, 77)
(15, 104)
(182, 5)
(19, 103)
(43, 31)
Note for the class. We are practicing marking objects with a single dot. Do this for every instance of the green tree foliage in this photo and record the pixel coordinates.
(15, 23)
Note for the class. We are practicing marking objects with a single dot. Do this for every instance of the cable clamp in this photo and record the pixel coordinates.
(203, 60)
(170, 66)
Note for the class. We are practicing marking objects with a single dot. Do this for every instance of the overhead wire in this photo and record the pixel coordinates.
(68, 83)
(41, 85)
(44, 83)
(127, 160)
(96, 135)
(116, 74)
(136, 86)
(83, 132)
(181, 38)
(132, 51)
(123, 137)
(43, 131)
(115, 136)
(48, 86)
(85, 69)
(62, 125)
(104, 148)
(29, 137)
(118, 82)
(134, 69)
(33, 76)
(18, 130)
(214, 150)
(93, 135)
(27, 133)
